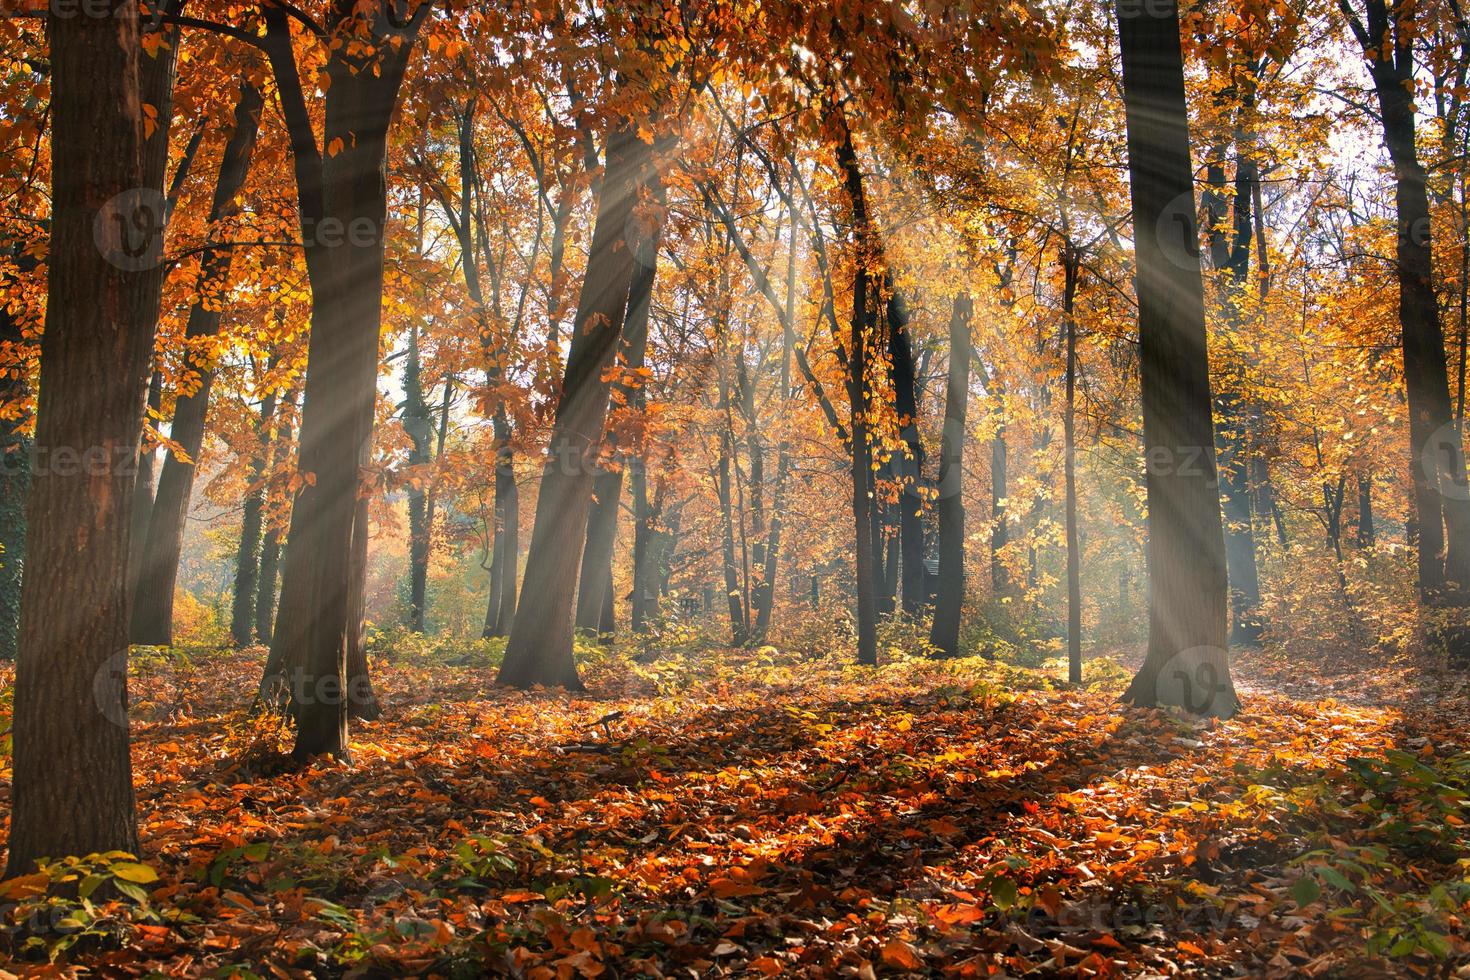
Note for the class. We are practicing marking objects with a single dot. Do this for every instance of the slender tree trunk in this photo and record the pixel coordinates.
(1186, 664)
(864, 558)
(602, 531)
(540, 647)
(153, 603)
(1000, 537)
(1366, 532)
(247, 564)
(949, 599)
(910, 467)
(1072, 267)
(270, 549)
(144, 486)
(72, 788)
(417, 420)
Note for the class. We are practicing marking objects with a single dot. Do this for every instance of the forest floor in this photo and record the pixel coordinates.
(750, 814)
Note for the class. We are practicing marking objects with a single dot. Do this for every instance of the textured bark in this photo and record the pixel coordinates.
(1186, 664)
(153, 603)
(1366, 531)
(864, 559)
(310, 643)
(72, 788)
(1436, 452)
(950, 596)
(540, 646)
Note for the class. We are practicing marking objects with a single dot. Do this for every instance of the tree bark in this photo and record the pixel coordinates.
(311, 636)
(540, 646)
(1072, 269)
(153, 603)
(1186, 664)
(270, 549)
(1436, 452)
(72, 789)
(361, 700)
(247, 563)
(949, 599)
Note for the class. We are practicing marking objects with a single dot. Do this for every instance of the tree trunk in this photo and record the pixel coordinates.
(362, 701)
(1072, 268)
(153, 603)
(15, 481)
(416, 419)
(1000, 579)
(910, 468)
(310, 644)
(72, 788)
(1186, 664)
(950, 597)
(602, 531)
(1366, 531)
(247, 563)
(864, 559)
(1436, 453)
(270, 549)
(540, 647)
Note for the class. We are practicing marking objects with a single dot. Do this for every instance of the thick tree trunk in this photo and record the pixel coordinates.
(310, 644)
(153, 603)
(949, 599)
(1436, 452)
(1186, 664)
(72, 788)
(540, 647)
(247, 562)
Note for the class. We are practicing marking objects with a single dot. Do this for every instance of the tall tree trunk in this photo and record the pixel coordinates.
(910, 468)
(1436, 452)
(247, 564)
(153, 603)
(594, 594)
(1000, 536)
(15, 482)
(362, 701)
(949, 599)
(311, 640)
(540, 647)
(270, 549)
(417, 420)
(72, 787)
(864, 559)
(1072, 269)
(1186, 664)
(1230, 252)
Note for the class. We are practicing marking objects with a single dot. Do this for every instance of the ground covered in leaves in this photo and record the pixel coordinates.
(750, 814)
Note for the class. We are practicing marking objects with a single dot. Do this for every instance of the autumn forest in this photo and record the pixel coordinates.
(700, 488)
